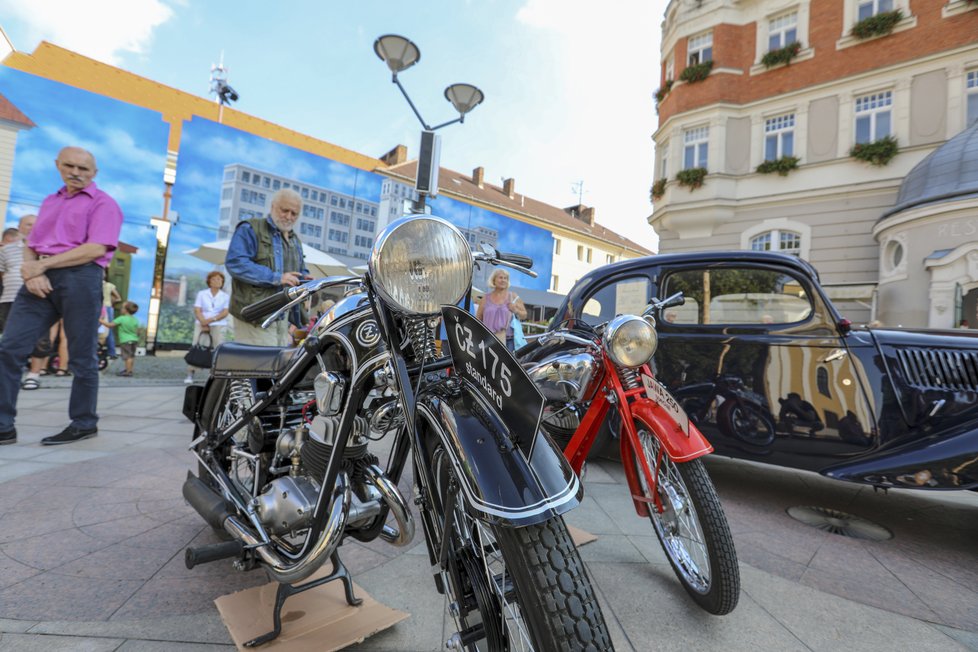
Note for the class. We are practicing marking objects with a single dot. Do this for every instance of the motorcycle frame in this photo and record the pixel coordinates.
(632, 404)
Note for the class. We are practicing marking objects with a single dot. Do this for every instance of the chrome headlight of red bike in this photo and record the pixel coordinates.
(630, 341)
(421, 263)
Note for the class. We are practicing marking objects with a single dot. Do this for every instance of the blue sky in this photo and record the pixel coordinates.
(568, 83)
(130, 152)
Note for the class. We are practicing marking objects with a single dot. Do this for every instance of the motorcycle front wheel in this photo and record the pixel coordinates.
(692, 527)
(515, 588)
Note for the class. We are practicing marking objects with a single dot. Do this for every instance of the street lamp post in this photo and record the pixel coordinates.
(400, 54)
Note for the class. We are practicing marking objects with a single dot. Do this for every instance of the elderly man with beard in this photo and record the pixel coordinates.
(76, 232)
(264, 257)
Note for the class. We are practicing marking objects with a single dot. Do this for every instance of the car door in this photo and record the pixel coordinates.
(756, 358)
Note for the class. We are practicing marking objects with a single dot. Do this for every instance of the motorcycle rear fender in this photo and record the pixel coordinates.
(499, 483)
(679, 447)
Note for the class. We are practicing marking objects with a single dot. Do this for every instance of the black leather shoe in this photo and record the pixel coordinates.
(69, 436)
(9, 437)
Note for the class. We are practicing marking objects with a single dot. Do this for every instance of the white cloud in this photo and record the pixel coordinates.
(94, 28)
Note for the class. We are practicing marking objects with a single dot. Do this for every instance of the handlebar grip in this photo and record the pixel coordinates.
(517, 259)
(260, 309)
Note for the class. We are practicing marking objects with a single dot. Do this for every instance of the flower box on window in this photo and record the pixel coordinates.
(696, 72)
(876, 153)
(782, 166)
(692, 178)
(663, 91)
(658, 189)
(781, 55)
(878, 25)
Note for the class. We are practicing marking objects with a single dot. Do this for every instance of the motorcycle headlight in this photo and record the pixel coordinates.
(630, 341)
(420, 263)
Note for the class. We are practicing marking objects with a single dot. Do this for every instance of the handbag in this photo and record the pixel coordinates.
(519, 339)
(201, 356)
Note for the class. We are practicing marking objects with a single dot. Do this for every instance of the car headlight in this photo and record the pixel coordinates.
(420, 263)
(630, 341)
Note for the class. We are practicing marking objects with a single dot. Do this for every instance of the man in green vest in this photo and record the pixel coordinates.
(264, 257)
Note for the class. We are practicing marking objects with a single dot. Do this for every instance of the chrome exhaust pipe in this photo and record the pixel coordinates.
(404, 533)
(290, 572)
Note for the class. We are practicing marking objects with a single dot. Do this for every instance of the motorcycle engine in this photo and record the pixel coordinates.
(287, 504)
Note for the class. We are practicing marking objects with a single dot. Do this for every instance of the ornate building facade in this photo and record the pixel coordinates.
(793, 126)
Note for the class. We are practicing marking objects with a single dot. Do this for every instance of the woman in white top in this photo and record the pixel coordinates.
(210, 314)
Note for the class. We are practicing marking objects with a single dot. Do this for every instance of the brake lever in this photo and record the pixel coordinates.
(304, 291)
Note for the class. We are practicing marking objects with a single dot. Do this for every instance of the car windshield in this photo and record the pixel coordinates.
(628, 296)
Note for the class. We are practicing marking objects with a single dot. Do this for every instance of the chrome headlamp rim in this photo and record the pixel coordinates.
(615, 328)
(387, 233)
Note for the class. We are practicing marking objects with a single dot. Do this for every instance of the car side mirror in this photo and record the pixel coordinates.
(844, 326)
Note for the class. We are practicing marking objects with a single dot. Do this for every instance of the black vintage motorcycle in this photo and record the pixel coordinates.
(284, 437)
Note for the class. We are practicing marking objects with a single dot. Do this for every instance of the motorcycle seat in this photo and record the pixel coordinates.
(233, 360)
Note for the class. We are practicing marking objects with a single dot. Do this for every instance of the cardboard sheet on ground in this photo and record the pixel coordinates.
(317, 620)
(581, 537)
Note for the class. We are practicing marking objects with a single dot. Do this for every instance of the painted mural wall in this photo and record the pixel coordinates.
(223, 175)
(129, 144)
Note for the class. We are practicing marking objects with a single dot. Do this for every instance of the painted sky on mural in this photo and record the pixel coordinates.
(568, 83)
(206, 147)
(130, 151)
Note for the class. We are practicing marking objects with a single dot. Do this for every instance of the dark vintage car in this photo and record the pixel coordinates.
(771, 372)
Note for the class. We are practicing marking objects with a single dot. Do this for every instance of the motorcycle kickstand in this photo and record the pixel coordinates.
(285, 591)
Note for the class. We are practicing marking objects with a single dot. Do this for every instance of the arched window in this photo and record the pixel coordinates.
(782, 240)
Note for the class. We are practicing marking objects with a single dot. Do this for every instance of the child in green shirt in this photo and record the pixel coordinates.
(126, 335)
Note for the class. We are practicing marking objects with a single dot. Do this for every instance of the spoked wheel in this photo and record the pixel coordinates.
(515, 589)
(692, 527)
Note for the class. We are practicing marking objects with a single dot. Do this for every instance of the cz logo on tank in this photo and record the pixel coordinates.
(368, 334)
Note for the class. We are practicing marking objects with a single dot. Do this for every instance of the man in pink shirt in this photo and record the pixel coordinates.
(76, 232)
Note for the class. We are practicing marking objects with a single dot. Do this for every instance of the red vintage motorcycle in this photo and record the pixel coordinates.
(590, 375)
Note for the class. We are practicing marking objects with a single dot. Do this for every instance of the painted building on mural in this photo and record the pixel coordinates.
(185, 172)
(790, 86)
(331, 221)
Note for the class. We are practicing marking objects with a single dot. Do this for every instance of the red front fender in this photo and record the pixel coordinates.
(678, 446)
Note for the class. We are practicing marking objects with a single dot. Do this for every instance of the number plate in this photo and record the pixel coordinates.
(661, 395)
(489, 367)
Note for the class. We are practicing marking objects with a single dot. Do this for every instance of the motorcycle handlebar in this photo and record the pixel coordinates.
(517, 259)
(266, 306)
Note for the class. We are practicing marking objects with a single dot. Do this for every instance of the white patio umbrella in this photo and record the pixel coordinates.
(319, 262)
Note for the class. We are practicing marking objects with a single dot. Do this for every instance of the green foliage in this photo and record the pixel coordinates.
(696, 72)
(658, 189)
(876, 153)
(782, 55)
(782, 166)
(692, 178)
(878, 25)
(176, 324)
(662, 92)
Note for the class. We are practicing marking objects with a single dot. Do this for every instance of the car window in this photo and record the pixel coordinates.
(627, 296)
(737, 295)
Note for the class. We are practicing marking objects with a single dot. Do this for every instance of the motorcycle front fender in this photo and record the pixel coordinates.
(678, 446)
(500, 484)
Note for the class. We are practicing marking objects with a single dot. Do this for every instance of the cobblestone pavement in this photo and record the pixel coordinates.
(92, 538)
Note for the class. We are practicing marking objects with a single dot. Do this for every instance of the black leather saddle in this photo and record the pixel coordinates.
(233, 360)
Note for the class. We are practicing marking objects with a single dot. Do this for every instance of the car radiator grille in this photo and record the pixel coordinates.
(940, 369)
